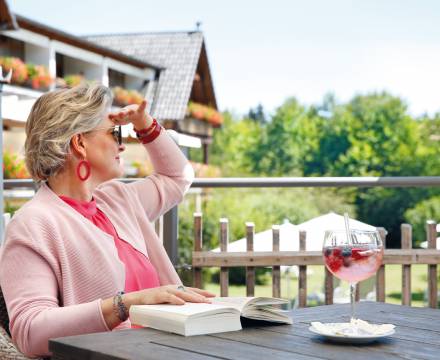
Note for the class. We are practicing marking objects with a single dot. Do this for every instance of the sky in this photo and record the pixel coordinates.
(267, 51)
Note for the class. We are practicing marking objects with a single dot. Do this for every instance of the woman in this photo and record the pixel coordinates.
(84, 239)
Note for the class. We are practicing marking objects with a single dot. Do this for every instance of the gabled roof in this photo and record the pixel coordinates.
(178, 52)
(7, 19)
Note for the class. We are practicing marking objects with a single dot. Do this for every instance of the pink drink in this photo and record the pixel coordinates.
(353, 264)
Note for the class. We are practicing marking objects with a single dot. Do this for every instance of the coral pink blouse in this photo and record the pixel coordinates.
(139, 272)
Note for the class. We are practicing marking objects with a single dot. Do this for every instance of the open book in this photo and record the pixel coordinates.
(223, 314)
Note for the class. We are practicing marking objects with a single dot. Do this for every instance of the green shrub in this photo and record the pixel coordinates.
(418, 215)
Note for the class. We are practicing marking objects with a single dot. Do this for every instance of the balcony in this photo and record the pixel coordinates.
(167, 227)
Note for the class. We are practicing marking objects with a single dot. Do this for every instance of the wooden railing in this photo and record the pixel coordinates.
(302, 258)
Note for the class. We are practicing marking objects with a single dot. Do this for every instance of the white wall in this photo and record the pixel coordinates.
(36, 54)
(76, 66)
(134, 83)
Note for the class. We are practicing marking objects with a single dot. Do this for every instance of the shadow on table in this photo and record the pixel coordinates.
(250, 323)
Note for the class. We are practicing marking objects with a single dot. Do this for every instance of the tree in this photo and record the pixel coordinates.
(257, 114)
(286, 142)
(382, 140)
(232, 143)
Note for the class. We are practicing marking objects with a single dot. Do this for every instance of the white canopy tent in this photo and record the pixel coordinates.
(289, 240)
(316, 228)
(289, 234)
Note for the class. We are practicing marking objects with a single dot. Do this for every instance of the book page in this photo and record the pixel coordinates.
(267, 301)
(186, 310)
(235, 302)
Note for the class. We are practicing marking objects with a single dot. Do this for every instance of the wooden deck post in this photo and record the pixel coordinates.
(276, 278)
(302, 279)
(224, 271)
(406, 239)
(380, 275)
(328, 286)
(197, 272)
(431, 234)
(250, 270)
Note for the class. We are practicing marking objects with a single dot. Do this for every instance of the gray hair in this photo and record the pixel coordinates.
(54, 119)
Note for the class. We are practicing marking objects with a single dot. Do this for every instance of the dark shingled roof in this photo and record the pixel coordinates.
(177, 52)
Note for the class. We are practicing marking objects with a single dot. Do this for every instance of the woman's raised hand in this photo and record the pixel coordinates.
(134, 114)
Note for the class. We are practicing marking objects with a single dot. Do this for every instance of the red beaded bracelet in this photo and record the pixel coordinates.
(149, 137)
(146, 131)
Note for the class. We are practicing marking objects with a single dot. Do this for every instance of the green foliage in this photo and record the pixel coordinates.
(383, 139)
(372, 135)
(237, 276)
(232, 144)
(257, 114)
(418, 215)
(264, 207)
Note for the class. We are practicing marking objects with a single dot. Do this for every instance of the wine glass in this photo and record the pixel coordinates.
(352, 258)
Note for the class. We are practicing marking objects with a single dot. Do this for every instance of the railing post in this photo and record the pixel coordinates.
(406, 239)
(431, 233)
(302, 280)
(328, 285)
(170, 233)
(224, 271)
(250, 270)
(198, 242)
(276, 278)
(380, 275)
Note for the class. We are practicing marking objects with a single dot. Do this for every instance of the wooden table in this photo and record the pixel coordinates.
(417, 337)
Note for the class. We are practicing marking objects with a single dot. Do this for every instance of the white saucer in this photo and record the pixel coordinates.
(352, 339)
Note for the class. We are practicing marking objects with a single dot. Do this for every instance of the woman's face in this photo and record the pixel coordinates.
(103, 152)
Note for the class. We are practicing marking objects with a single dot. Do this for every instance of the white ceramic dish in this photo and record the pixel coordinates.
(352, 339)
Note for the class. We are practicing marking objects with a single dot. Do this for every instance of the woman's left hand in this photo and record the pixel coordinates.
(134, 114)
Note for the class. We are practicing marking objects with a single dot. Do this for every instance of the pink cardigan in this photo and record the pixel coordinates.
(56, 265)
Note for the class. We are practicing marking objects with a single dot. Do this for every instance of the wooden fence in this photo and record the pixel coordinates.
(406, 256)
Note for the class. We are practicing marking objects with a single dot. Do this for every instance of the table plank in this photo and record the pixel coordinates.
(118, 345)
(299, 345)
(231, 347)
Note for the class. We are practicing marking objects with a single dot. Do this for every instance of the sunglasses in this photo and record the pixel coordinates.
(116, 132)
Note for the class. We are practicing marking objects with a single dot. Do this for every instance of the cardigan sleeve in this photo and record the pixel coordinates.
(30, 287)
(172, 178)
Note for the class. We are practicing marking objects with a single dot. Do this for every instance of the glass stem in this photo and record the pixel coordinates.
(352, 300)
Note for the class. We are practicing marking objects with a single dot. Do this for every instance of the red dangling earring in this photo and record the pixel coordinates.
(86, 164)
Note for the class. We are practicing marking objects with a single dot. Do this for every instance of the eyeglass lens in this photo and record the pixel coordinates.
(117, 134)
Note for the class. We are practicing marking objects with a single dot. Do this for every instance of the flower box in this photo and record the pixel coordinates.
(13, 166)
(205, 113)
(30, 75)
(38, 77)
(18, 67)
(124, 97)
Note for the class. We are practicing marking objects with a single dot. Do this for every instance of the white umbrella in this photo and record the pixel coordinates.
(316, 228)
(289, 240)
(289, 234)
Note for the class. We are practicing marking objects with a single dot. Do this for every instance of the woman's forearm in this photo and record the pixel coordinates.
(169, 294)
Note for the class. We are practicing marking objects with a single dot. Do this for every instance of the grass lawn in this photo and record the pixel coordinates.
(315, 284)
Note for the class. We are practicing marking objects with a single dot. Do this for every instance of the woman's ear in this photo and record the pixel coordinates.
(77, 145)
